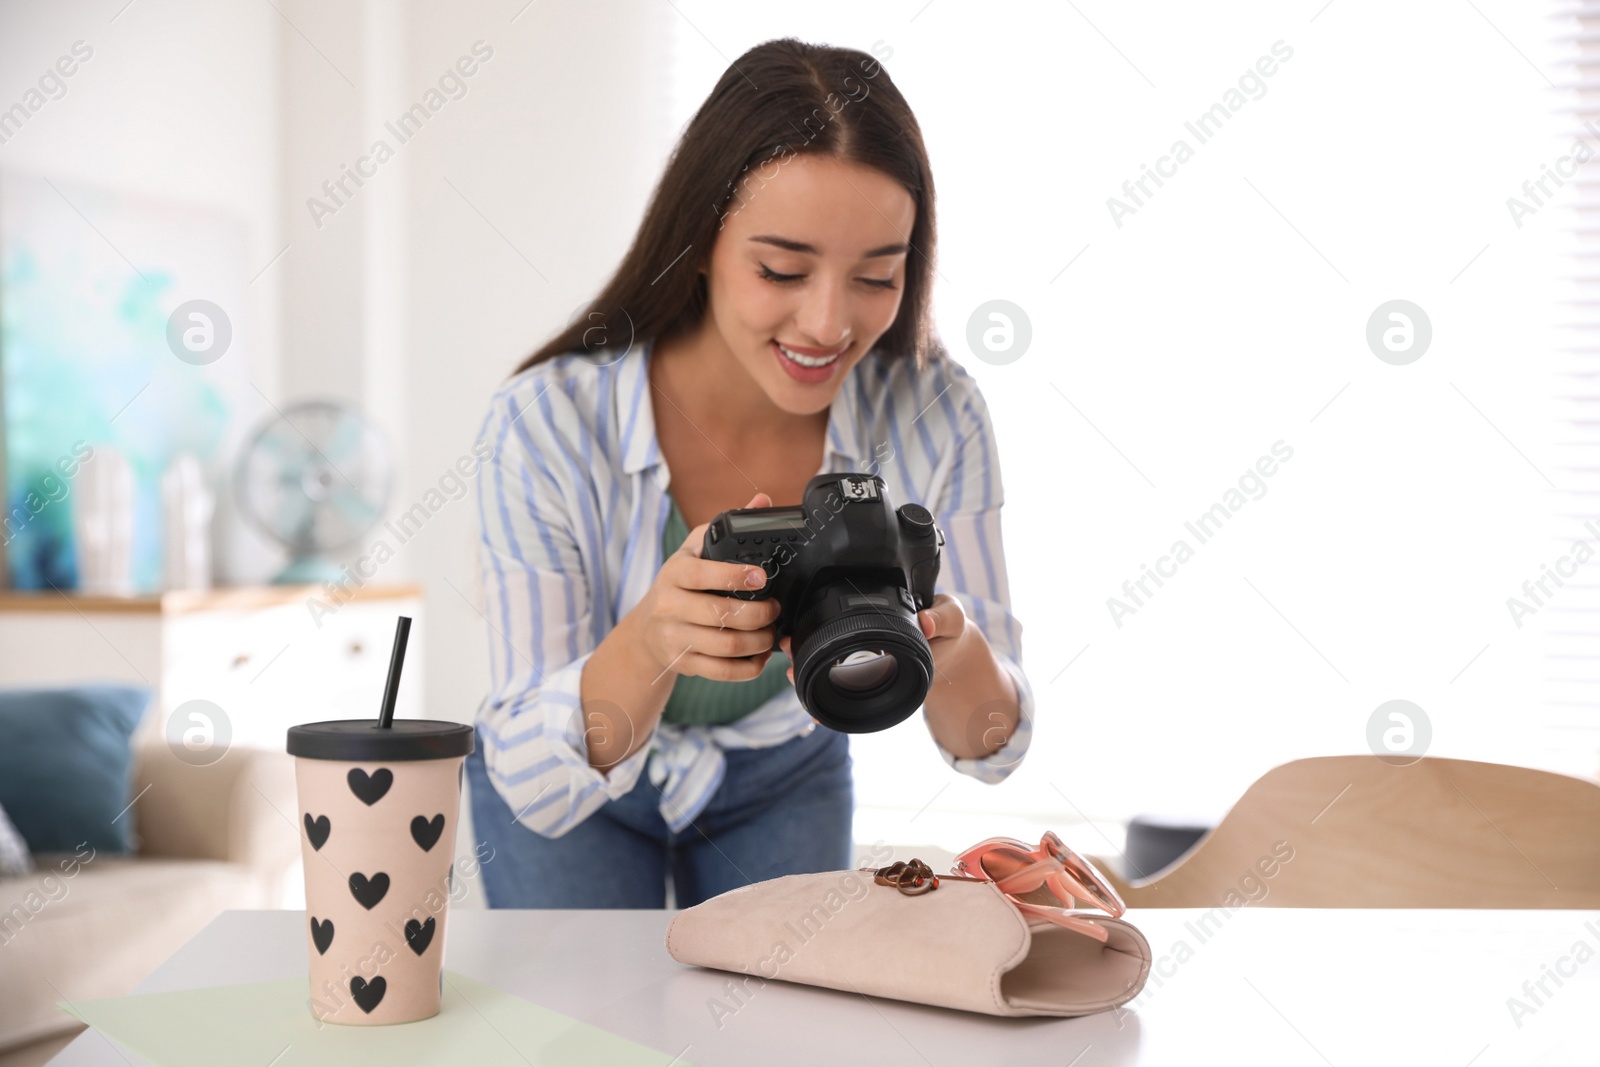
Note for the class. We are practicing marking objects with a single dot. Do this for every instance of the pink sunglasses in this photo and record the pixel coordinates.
(1045, 881)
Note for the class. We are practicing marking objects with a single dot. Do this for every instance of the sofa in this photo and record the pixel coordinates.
(84, 925)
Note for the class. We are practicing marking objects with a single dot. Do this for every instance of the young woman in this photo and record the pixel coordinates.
(770, 323)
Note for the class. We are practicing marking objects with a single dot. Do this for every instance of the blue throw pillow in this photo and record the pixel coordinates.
(66, 765)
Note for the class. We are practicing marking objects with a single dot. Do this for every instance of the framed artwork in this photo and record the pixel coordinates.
(102, 347)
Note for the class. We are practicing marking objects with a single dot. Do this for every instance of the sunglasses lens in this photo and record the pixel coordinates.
(1101, 894)
(1000, 863)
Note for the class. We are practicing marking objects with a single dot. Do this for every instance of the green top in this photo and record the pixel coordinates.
(706, 700)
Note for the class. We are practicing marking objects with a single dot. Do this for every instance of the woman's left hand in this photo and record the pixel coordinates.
(944, 624)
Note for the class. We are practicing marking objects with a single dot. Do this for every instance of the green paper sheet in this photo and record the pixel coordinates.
(271, 1022)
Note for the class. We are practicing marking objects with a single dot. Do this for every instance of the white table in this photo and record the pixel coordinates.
(1268, 986)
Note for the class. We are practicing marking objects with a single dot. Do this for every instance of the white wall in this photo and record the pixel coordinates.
(546, 161)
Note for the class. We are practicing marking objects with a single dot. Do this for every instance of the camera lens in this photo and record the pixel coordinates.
(863, 671)
(861, 663)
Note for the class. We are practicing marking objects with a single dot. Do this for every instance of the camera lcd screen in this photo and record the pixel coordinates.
(790, 519)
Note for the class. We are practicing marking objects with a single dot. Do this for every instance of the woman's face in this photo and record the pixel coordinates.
(811, 257)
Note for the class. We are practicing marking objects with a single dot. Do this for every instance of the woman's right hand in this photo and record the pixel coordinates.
(687, 630)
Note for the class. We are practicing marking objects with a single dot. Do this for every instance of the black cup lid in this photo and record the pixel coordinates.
(363, 739)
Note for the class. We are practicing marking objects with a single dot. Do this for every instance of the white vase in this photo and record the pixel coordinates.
(102, 520)
(186, 509)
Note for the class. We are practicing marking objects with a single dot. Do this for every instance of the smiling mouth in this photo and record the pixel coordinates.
(808, 361)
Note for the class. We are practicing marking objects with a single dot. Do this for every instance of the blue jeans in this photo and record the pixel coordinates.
(786, 809)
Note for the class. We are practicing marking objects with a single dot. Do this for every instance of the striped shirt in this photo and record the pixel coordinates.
(572, 505)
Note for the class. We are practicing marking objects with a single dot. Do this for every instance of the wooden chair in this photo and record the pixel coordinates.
(1359, 832)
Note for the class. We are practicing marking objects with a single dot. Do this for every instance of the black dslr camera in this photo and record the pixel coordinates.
(850, 572)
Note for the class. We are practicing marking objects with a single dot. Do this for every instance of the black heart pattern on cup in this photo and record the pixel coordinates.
(368, 891)
(368, 994)
(322, 934)
(317, 830)
(370, 788)
(426, 833)
(419, 935)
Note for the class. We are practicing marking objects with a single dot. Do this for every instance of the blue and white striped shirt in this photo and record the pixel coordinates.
(572, 505)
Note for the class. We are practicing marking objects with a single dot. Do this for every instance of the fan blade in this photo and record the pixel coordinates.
(353, 507)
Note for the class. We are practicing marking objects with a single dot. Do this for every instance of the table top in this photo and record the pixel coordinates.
(1284, 986)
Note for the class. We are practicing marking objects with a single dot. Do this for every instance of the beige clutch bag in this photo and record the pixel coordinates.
(965, 945)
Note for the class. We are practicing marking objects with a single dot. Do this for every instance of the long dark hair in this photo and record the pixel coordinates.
(779, 98)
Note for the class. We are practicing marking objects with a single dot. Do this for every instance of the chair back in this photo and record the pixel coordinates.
(1361, 832)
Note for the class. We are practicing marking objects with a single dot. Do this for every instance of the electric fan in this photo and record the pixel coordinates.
(314, 477)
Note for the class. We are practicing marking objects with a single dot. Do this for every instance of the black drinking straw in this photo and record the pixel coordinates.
(397, 660)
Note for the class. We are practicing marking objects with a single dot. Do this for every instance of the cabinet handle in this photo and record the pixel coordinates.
(356, 648)
(240, 660)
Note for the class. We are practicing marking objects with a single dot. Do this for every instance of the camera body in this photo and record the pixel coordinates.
(850, 572)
